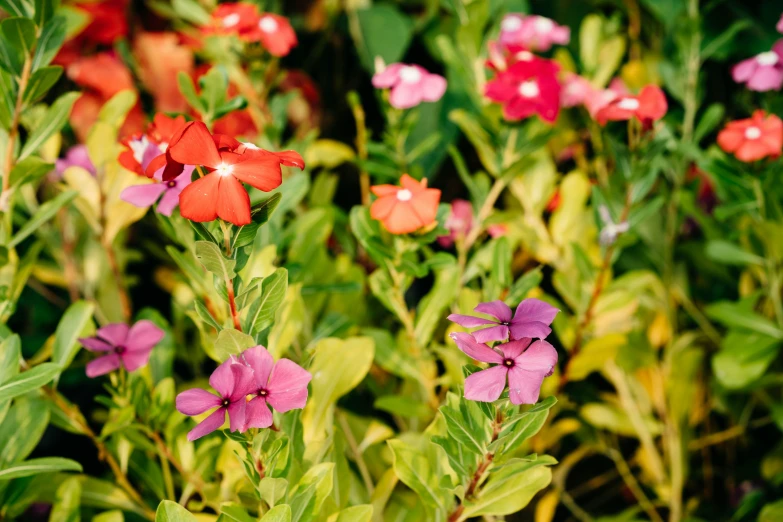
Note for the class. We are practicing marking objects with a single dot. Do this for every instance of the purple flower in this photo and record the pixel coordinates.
(123, 346)
(282, 385)
(410, 85)
(531, 319)
(763, 72)
(233, 382)
(147, 194)
(524, 365)
(76, 156)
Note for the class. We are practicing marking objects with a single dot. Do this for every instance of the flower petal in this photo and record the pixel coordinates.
(198, 202)
(405, 96)
(539, 357)
(233, 203)
(169, 201)
(114, 334)
(523, 386)
(195, 146)
(208, 425)
(533, 329)
(288, 386)
(143, 336)
(433, 86)
(261, 171)
(222, 379)
(469, 321)
(244, 384)
(94, 344)
(196, 401)
(486, 385)
(257, 414)
(513, 349)
(535, 310)
(493, 333)
(132, 361)
(261, 362)
(236, 414)
(497, 309)
(388, 77)
(103, 365)
(481, 352)
(143, 195)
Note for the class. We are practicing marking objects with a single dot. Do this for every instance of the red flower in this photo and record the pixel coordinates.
(232, 18)
(137, 147)
(275, 34)
(229, 163)
(649, 106)
(753, 138)
(406, 208)
(526, 88)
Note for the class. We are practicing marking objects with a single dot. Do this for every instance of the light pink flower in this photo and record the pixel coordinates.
(410, 85)
(576, 90)
(763, 72)
(123, 346)
(600, 98)
(459, 222)
(233, 382)
(524, 364)
(283, 385)
(531, 319)
(535, 33)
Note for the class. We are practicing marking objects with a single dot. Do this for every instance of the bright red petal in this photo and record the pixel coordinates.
(154, 165)
(652, 103)
(233, 203)
(260, 171)
(223, 142)
(199, 201)
(290, 158)
(195, 146)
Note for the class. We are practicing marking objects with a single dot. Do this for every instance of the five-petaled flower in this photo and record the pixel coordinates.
(763, 72)
(234, 382)
(410, 85)
(753, 138)
(525, 88)
(282, 385)
(531, 319)
(406, 208)
(650, 105)
(523, 362)
(123, 346)
(535, 33)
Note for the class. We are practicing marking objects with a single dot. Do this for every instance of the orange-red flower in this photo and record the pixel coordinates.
(161, 57)
(650, 105)
(406, 208)
(142, 148)
(753, 138)
(229, 163)
(273, 31)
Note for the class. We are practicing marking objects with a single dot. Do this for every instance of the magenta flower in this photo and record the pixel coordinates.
(282, 385)
(527, 87)
(534, 33)
(233, 382)
(76, 156)
(524, 364)
(459, 222)
(147, 194)
(531, 319)
(410, 85)
(123, 346)
(763, 72)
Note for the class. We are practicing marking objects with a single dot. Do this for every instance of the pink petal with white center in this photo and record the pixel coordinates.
(208, 425)
(486, 385)
(388, 77)
(288, 386)
(196, 401)
(103, 365)
(743, 71)
(475, 350)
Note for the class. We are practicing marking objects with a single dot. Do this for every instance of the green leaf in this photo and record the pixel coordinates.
(19, 33)
(309, 494)
(23, 8)
(731, 254)
(214, 85)
(261, 314)
(44, 10)
(523, 285)
(479, 138)
(52, 122)
(38, 466)
(169, 511)
(772, 512)
(10, 355)
(28, 381)
(41, 81)
(414, 470)
(281, 513)
(501, 262)
(213, 260)
(67, 501)
(736, 316)
(272, 490)
(235, 512)
(402, 406)
(22, 428)
(44, 213)
(360, 513)
(743, 358)
(510, 488)
(8, 91)
(188, 90)
(191, 11)
(49, 42)
(709, 121)
(232, 342)
(381, 30)
(75, 323)
(29, 171)
(434, 304)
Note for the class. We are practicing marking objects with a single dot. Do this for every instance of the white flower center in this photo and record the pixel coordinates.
(404, 195)
(768, 58)
(544, 25)
(250, 146)
(224, 170)
(231, 20)
(511, 23)
(410, 74)
(529, 89)
(629, 104)
(268, 24)
(139, 147)
(752, 133)
(524, 56)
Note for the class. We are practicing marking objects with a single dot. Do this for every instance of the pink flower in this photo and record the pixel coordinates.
(575, 91)
(524, 364)
(76, 156)
(459, 222)
(283, 385)
(763, 72)
(410, 85)
(527, 88)
(536, 33)
(779, 27)
(123, 346)
(233, 382)
(531, 319)
(167, 192)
